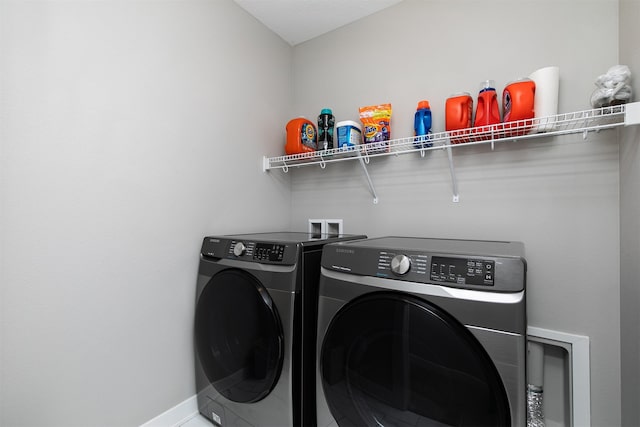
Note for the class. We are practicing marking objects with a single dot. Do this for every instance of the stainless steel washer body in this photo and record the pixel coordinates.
(254, 328)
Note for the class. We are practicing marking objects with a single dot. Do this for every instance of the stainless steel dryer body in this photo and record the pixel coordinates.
(422, 332)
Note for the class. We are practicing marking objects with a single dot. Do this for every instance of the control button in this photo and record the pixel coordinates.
(488, 266)
(488, 276)
(400, 264)
(239, 249)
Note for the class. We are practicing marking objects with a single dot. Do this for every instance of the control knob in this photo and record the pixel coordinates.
(239, 249)
(400, 264)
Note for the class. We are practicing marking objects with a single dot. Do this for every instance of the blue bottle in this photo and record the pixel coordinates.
(422, 125)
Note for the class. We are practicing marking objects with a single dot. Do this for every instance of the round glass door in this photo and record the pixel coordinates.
(393, 359)
(239, 336)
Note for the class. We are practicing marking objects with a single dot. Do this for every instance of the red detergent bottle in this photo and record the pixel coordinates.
(487, 111)
(458, 116)
(518, 101)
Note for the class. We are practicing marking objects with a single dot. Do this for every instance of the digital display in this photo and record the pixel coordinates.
(268, 252)
(463, 271)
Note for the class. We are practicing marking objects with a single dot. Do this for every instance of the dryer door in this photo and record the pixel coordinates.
(239, 336)
(393, 359)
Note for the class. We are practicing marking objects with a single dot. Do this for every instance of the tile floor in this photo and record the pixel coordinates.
(197, 421)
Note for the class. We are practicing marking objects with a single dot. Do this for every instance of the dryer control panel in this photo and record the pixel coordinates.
(463, 271)
(495, 273)
(400, 264)
(423, 267)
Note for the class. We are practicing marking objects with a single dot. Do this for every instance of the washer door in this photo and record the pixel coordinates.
(393, 359)
(239, 336)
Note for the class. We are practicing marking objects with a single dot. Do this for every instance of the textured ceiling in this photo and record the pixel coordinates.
(297, 21)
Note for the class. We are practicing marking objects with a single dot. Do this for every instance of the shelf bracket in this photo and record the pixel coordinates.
(366, 173)
(265, 163)
(632, 114)
(454, 181)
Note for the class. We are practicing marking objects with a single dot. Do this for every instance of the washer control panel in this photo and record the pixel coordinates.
(257, 251)
(268, 252)
(239, 249)
(252, 251)
(463, 271)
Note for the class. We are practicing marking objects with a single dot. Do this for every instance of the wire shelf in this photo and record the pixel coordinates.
(560, 124)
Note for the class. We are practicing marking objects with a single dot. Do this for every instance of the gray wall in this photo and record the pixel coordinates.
(130, 129)
(630, 226)
(121, 123)
(557, 195)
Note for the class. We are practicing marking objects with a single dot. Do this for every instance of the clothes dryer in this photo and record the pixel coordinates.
(422, 332)
(255, 325)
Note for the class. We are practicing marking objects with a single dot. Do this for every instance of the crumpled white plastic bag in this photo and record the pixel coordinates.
(613, 87)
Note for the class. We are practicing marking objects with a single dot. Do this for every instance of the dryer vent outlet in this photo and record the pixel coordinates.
(535, 410)
(330, 227)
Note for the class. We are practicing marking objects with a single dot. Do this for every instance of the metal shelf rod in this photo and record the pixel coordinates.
(366, 173)
(454, 180)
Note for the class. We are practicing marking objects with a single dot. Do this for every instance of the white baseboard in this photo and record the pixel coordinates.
(176, 416)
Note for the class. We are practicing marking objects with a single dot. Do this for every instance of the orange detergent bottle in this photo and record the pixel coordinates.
(518, 106)
(301, 136)
(487, 112)
(458, 115)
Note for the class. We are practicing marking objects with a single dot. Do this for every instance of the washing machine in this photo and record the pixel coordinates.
(255, 326)
(422, 332)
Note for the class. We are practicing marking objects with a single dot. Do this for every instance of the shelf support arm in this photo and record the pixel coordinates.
(366, 173)
(454, 181)
(632, 114)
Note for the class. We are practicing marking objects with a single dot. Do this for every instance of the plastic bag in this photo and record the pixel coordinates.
(376, 125)
(613, 87)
